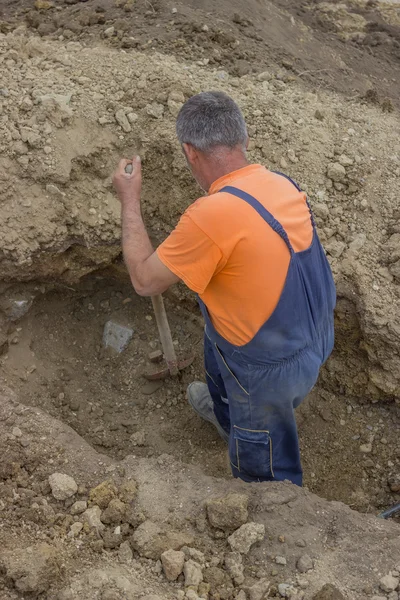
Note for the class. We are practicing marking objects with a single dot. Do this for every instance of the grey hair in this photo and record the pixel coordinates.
(210, 120)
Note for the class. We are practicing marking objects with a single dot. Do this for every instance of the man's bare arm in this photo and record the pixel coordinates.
(148, 274)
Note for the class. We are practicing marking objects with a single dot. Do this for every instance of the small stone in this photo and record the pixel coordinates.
(138, 438)
(128, 491)
(122, 120)
(280, 560)
(75, 529)
(305, 564)
(132, 117)
(264, 76)
(114, 513)
(259, 589)
(301, 543)
(125, 554)
(319, 115)
(151, 541)
(228, 513)
(394, 483)
(193, 553)
(329, 592)
(366, 448)
(155, 110)
(283, 163)
(345, 161)
(109, 32)
(247, 535)
(102, 494)
(336, 172)
(388, 583)
(78, 507)
(335, 247)
(234, 566)
(193, 573)
(16, 432)
(91, 516)
(116, 336)
(62, 486)
(286, 590)
(321, 210)
(172, 562)
(156, 356)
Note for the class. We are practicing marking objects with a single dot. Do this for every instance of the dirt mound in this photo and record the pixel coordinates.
(348, 47)
(122, 527)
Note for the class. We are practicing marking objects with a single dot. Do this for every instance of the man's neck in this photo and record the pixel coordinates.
(220, 169)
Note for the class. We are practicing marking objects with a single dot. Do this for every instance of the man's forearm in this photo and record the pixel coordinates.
(136, 245)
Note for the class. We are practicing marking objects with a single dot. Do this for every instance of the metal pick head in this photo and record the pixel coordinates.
(129, 168)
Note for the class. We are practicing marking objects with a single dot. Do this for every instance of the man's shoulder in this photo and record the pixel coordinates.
(210, 207)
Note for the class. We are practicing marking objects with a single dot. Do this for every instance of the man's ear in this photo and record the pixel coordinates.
(247, 143)
(190, 153)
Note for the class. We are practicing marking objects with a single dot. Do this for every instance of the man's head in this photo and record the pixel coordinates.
(213, 134)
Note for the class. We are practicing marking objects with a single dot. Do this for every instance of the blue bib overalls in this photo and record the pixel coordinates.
(256, 387)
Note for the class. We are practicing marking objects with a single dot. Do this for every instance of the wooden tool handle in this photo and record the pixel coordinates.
(165, 334)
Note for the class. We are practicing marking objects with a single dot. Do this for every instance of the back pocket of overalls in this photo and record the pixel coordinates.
(253, 452)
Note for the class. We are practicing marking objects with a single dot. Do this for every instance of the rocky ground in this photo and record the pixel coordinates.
(82, 83)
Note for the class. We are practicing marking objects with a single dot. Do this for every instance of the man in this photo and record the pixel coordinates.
(250, 251)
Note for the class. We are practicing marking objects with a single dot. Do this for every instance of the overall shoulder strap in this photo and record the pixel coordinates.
(262, 211)
(296, 185)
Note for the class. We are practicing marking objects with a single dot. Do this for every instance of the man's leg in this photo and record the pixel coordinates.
(263, 443)
(210, 401)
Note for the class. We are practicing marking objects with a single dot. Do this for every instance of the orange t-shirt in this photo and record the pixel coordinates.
(223, 250)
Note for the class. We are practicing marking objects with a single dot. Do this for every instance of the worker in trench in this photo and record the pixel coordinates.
(250, 251)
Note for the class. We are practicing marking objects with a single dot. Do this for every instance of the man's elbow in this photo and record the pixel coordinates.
(151, 289)
(143, 290)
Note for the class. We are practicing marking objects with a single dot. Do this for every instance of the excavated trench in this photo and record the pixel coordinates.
(55, 360)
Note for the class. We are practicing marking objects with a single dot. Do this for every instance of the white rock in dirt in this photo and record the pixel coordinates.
(91, 516)
(366, 448)
(116, 336)
(247, 535)
(109, 32)
(336, 172)
(388, 583)
(172, 562)
(305, 563)
(122, 120)
(280, 560)
(62, 486)
(193, 573)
